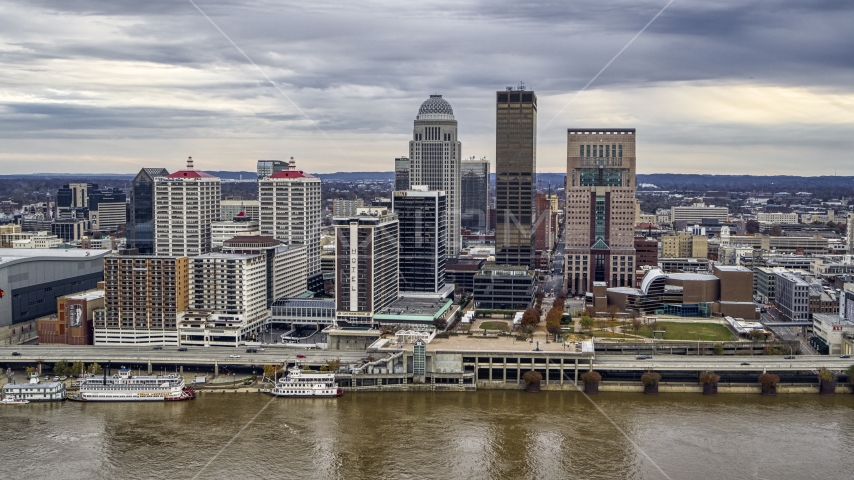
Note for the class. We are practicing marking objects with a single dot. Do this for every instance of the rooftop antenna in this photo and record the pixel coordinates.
(189, 163)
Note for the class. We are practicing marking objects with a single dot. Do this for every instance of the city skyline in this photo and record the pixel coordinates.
(729, 87)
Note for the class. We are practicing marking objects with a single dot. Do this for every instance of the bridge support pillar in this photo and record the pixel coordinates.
(576, 372)
(182, 369)
(149, 367)
(216, 369)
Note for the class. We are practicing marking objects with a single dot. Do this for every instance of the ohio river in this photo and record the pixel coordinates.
(485, 434)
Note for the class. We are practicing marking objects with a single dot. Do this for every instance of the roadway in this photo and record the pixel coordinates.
(170, 355)
(721, 363)
(553, 284)
(785, 333)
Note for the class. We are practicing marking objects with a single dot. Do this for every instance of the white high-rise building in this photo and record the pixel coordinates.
(185, 204)
(291, 212)
(435, 154)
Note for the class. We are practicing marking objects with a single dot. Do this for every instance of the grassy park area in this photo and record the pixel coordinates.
(501, 326)
(711, 332)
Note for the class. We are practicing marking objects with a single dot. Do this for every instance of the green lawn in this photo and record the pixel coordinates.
(711, 332)
(502, 326)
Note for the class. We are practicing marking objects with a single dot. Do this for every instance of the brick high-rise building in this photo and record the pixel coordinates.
(144, 293)
(543, 231)
(515, 175)
(600, 208)
(185, 204)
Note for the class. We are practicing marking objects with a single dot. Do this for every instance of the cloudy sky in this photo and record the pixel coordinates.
(729, 86)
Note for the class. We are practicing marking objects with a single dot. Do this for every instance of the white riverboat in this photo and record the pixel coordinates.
(34, 391)
(303, 383)
(126, 387)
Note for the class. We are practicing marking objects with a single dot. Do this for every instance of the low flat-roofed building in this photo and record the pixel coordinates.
(676, 265)
(303, 311)
(415, 312)
(461, 272)
(831, 328)
(504, 287)
(73, 324)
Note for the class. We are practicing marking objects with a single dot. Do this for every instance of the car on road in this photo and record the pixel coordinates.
(158, 348)
(745, 363)
(300, 355)
(234, 356)
(182, 349)
(845, 356)
(56, 378)
(251, 350)
(789, 357)
(644, 357)
(47, 378)
(16, 354)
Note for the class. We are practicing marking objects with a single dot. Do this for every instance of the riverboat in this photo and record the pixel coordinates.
(126, 387)
(13, 401)
(34, 391)
(302, 383)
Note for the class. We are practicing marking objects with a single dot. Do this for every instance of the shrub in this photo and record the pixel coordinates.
(709, 377)
(826, 375)
(591, 377)
(769, 379)
(650, 378)
(850, 373)
(718, 349)
(532, 376)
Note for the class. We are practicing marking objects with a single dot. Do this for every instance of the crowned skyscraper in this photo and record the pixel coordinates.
(434, 154)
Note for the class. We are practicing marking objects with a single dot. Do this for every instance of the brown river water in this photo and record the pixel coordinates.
(441, 435)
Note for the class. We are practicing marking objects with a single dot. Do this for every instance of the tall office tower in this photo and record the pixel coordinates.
(107, 209)
(401, 173)
(185, 204)
(269, 167)
(72, 200)
(366, 264)
(286, 265)
(140, 225)
(600, 208)
(515, 175)
(144, 293)
(475, 194)
(435, 154)
(291, 212)
(423, 236)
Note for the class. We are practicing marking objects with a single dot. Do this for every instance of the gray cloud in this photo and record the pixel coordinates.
(159, 70)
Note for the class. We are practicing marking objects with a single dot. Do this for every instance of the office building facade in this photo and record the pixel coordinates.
(515, 176)
(474, 195)
(186, 203)
(600, 208)
(423, 236)
(140, 224)
(435, 153)
(401, 173)
(267, 168)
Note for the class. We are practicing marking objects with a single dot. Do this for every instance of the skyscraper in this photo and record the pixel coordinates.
(185, 204)
(291, 212)
(515, 175)
(401, 173)
(600, 208)
(475, 194)
(423, 237)
(434, 154)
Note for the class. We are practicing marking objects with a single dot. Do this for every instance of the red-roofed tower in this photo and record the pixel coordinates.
(186, 203)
